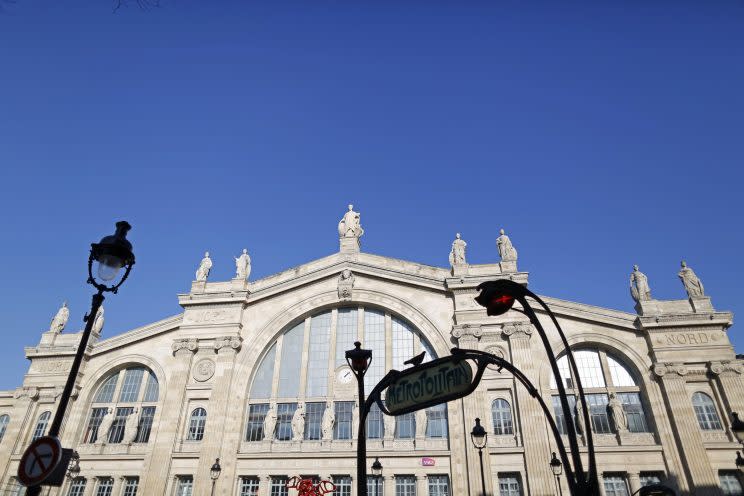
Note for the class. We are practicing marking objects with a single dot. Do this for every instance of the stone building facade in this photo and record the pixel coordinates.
(252, 373)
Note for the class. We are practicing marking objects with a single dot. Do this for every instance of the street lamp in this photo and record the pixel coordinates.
(74, 468)
(479, 436)
(557, 467)
(359, 360)
(110, 255)
(498, 297)
(215, 472)
(377, 471)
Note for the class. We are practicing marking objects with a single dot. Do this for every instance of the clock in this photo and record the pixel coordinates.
(344, 375)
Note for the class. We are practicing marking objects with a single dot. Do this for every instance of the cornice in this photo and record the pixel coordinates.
(138, 334)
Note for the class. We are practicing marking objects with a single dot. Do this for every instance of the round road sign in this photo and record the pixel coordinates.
(39, 460)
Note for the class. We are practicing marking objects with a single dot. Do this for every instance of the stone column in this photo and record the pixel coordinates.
(422, 486)
(226, 348)
(158, 461)
(531, 417)
(687, 431)
(90, 486)
(634, 480)
(729, 377)
(600, 478)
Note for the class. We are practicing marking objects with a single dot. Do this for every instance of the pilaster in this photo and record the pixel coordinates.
(728, 374)
(634, 481)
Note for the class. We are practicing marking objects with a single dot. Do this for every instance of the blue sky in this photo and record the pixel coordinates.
(599, 134)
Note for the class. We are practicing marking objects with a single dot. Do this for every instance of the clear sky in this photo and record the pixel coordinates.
(599, 134)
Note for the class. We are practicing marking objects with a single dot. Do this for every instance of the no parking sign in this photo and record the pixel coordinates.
(39, 461)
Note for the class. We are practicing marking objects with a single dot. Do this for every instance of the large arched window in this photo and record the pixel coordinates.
(130, 391)
(41, 425)
(4, 420)
(502, 417)
(196, 425)
(306, 364)
(705, 411)
(601, 375)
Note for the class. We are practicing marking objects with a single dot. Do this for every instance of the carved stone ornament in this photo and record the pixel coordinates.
(661, 369)
(517, 330)
(203, 370)
(345, 285)
(720, 368)
(467, 330)
(31, 393)
(185, 344)
(233, 342)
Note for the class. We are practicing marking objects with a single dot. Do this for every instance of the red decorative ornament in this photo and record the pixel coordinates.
(306, 487)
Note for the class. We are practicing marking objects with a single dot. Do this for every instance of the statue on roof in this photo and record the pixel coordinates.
(60, 319)
(693, 285)
(506, 249)
(639, 289)
(457, 254)
(243, 266)
(350, 225)
(204, 267)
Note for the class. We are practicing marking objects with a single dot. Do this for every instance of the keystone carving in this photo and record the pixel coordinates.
(233, 342)
(467, 330)
(725, 368)
(517, 330)
(661, 369)
(185, 344)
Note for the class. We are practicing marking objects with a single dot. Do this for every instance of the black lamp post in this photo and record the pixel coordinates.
(74, 469)
(359, 360)
(557, 467)
(215, 472)
(111, 254)
(377, 471)
(498, 297)
(479, 436)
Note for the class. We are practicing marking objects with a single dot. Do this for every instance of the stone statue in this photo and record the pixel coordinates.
(298, 423)
(130, 427)
(421, 423)
(243, 266)
(345, 284)
(618, 413)
(639, 289)
(98, 322)
(329, 418)
(457, 254)
(579, 419)
(389, 423)
(60, 319)
(692, 284)
(506, 250)
(350, 226)
(105, 426)
(204, 267)
(269, 423)
(354, 421)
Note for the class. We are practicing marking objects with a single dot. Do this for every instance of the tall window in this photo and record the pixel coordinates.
(284, 413)
(374, 485)
(561, 418)
(122, 392)
(41, 425)
(184, 485)
(196, 424)
(730, 483)
(343, 413)
(4, 420)
(650, 478)
(105, 486)
(264, 379)
(405, 426)
(249, 486)
(317, 365)
(375, 423)
(601, 374)
(313, 417)
(374, 339)
(615, 485)
(509, 485)
(279, 486)
(343, 485)
(131, 484)
(405, 485)
(706, 413)
(502, 417)
(439, 485)
(436, 421)
(256, 417)
(77, 487)
(346, 333)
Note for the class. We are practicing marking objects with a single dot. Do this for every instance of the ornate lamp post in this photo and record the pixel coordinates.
(359, 360)
(479, 436)
(110, 255)
(215, 472)
(498, 297)
(74, 468)
(377, 471)
(557, 467)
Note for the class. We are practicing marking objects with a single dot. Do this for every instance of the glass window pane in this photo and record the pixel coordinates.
(402, 344)
(91, 433)
(620, 375)
(4, 420)
(279, 486)
(289, 371)
(615, 485)
(597, 404)
(342, 427)
(116, 434)
(256, 417)
(374, 339)
(105, 393)
(560, 417)
(438, 485)
(374, 485)
(633, 411)
(375, 423)
(151, 391)
(284, 413)
(343, 485)
(77, 488)
(405, 426)
(706, 413)
(590, 370)
(130, 486)
(185, 485)
(436, 421)
(430, 354)
(502, 417)
(650, 478)
(41, 425)
(405, 485)
(132, 382)
(346, 333)
(105, 486)
(730, 483)
(313, 418)
(262, 383)
(509, 485)
(145, 424)
(317, 366)
(197, 422)
(565, 374)
(249, 486)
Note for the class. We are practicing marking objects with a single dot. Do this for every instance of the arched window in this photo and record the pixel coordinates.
(322, 373)
(601, 375)
(502, 417)
(41, 425)
(130, 391)
(4, 420)
(196, 425)
(706, 413)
